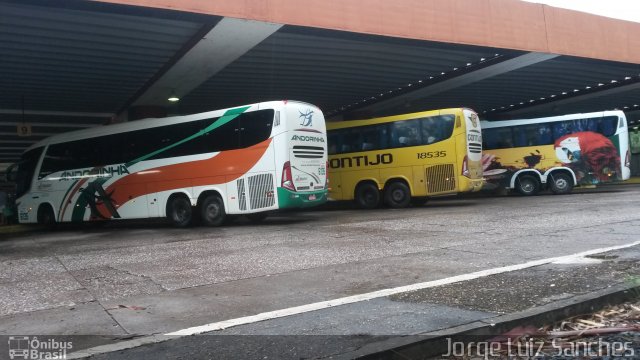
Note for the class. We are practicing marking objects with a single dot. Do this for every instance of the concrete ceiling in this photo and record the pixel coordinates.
(79, 64)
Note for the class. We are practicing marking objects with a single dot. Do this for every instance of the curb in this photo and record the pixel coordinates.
(433, 344)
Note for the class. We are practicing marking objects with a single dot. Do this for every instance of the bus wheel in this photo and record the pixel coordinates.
(561, 183)
(212, 211)
(46, 217)
(527, 185)
(367, 196)
(179, 211)
(397, 195)
(257, 217)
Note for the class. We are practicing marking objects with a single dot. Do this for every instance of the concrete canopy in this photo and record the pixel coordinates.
(78, 63)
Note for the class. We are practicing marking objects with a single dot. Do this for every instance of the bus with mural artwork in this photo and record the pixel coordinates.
(403, 159)
(556, 153)
(246, 160)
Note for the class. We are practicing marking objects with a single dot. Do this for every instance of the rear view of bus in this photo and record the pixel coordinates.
(471, 179)
(304, 157)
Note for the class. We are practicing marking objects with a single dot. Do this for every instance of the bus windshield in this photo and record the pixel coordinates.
(25, 170)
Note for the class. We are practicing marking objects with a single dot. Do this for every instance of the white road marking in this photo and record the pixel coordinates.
(220, 325)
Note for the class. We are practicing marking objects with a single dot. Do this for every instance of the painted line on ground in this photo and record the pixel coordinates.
(221, 325)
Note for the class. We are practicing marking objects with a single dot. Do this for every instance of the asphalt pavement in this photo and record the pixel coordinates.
(132, 280)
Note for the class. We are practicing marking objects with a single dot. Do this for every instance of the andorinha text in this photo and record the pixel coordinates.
(98, 172)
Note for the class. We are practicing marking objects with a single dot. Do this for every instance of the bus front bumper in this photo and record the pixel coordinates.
(291, 199)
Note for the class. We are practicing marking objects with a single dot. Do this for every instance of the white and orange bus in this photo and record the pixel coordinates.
(245, 160)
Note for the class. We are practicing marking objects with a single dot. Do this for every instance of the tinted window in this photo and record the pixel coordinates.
(607, 125)
(437, 128)
(391, 135)
(405, 133)
(563, 128)
(173, 140)
(373, 137)
(532, 135)
(255, 127)
(26, 170)
(497, 138)
(72, 155)
(339, 142)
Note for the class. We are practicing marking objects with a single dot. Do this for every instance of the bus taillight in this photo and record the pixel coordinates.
(287, 179)
(465, 166)
(627, 159)
(326, 176)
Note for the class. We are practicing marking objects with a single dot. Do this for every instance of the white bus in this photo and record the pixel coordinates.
(556, 152)
(244, 160)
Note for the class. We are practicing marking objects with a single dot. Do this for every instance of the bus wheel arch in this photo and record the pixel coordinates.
(179, 210)
(561, 181)
(367, 194)
(397, 193)
(211, 208)
(527, 183)
(46, 215)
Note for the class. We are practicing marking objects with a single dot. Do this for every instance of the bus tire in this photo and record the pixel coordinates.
(179, 211)
(367, 196)
(397, 195)
(212, 211)
(527, 185)
(561, 183)
(257, 217)
(46, 217)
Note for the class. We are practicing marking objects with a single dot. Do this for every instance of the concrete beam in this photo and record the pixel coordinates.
(53, 125)
(55, 113)
(37, 133)
(459, 81)
(226, 42)
(506, 24)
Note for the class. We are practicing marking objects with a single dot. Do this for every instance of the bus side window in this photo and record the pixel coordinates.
(255, 127)
(498, 138)
(372, 137)
(544, 135)
(437, 128)
(520, 136)
(405, 133)
(332, 140)
(608, 125)
(562, 128)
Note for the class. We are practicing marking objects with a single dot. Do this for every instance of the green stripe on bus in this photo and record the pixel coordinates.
(80, 206)
(224, 119)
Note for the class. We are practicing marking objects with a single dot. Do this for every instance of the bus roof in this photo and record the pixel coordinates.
(502, 123)
(352, 123)
(151, 123)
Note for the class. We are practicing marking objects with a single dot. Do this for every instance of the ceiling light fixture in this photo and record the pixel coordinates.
(173, 97)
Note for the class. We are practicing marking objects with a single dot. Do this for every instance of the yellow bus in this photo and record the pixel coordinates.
(405, 158)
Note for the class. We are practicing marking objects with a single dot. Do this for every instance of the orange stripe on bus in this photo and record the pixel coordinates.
(224, 167)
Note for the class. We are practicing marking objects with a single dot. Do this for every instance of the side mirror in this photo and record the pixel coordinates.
(10, 174)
